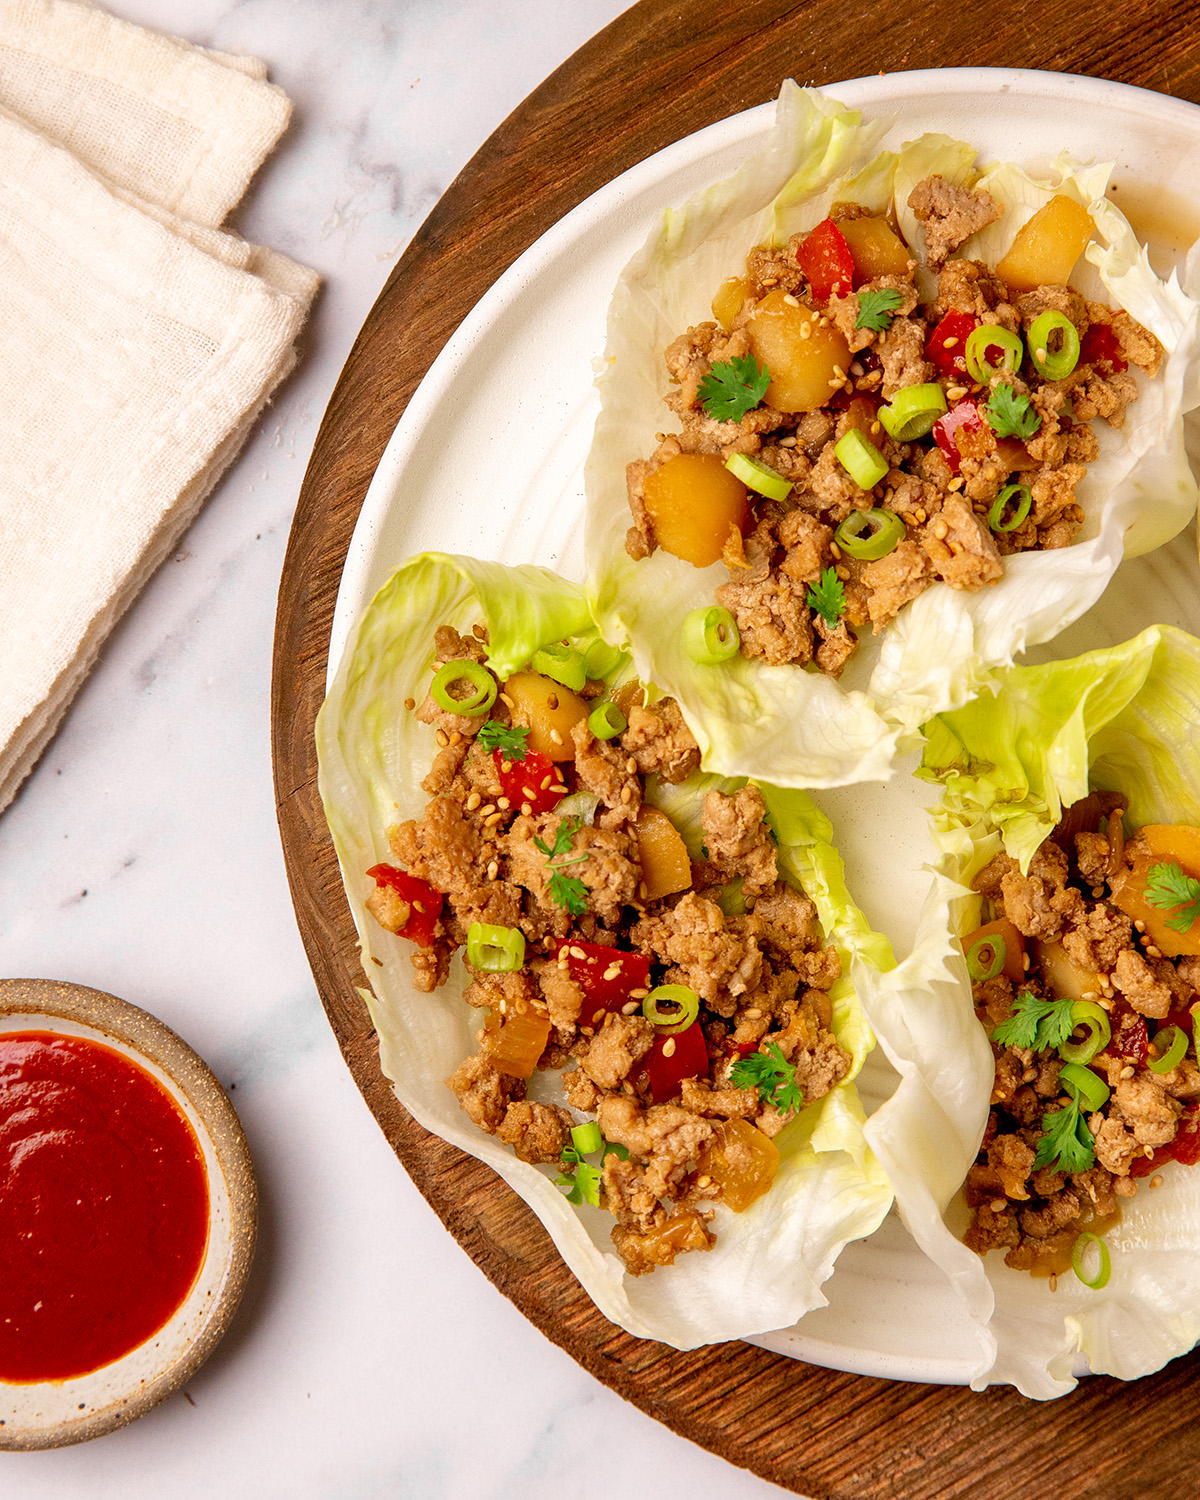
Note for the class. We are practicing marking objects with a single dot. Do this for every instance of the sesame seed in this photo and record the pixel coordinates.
(956, 392)
(526, 809)
(555, 737)
(577, 952)
(638, 994)
(669, 1047)
(506, 700)
(488, 809)
(493, 870)
(418, 907)
(704, 1181)
(630, 766)
(493, 820)
(442, 738)
(552, 701)
(504, 1007)
(629, 1007)
(790, 300)
(753, 1014)
(455, 737)
(922, 516)
(626, 795)
(998, 1205)
(835, 549)
(612, 971)
(1156, 1181)
(1128, 1070)
(473, 801)
(503, 804)
(546, 780)
(842, 571)
(956, 483)
(806, 330)
(410, 704)
(1152, 951)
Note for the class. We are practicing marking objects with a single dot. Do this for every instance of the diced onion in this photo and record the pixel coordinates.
(756, 475)
(1175, 1040)
(478, 682)
(978, 353)
(1085, 1245)
(586, 1138)
(606, 720)
(1094, 1017)
(495, 950)
(861, 459)
(1084, 1086)
(1053, 345)
(710, 635)
(563, 663)
(869, 534)
(980, 966)
(684, 1007)
(913, 412)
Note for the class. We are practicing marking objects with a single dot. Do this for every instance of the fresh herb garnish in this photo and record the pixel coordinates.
(511, 738)
(1066, 1144)
(569, 893)
(1010, 413)
(579, 1179)
(1036, 1024)
(828, 597)
(730, 390)
(772, 1075)
(876, 308)
(1168, 886)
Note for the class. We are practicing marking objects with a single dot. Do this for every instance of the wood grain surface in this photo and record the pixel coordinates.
(662, 70)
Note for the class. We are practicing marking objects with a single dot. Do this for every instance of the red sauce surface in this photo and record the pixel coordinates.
(103, 1206)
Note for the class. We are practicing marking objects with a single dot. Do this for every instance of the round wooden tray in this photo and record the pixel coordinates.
(659, 72)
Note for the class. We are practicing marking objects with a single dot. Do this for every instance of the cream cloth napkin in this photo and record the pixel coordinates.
(138, 340)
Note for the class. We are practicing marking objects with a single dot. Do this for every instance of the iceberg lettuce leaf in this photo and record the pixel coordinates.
(1122, 719)
(797, 727)
(769, 1263)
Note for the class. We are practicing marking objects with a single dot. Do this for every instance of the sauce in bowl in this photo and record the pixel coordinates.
(104, 1206)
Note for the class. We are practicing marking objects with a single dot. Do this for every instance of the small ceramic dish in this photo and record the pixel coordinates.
(48, 1413)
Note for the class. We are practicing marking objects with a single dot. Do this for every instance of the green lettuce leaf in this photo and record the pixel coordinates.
(769, 1263)
(797, 727)
(1122, 719)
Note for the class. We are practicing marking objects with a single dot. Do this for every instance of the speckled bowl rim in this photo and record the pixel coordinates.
(45, 1001)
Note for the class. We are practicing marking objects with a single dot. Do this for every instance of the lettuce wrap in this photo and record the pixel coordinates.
(769, 1262)
(800, 727)
(1119, 720)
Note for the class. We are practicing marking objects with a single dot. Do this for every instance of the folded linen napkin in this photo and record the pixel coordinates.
(140, 341)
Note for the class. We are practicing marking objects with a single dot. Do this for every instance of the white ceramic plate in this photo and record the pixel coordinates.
(488, 461)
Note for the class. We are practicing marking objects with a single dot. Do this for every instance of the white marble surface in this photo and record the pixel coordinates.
(369, 1357)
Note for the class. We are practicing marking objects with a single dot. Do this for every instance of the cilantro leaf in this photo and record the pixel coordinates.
(1036, 1024)
(732, 389)
(511, 738)
(772, 1075)
(1011, 414)
(571, 894)
(876, 308)
(1168, 886)
(582, 1185)
(563, 834)
(1066, 1144)
(828, 597)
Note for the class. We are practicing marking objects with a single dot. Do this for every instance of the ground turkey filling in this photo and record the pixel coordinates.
(941, 491)
(762, 975)
(1078, 940)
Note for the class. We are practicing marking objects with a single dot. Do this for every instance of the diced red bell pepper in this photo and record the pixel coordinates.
(1130, 1039)
(1100, 345)
(425, 903)
(606, 976)
(825, 258)
(535, 781)
(1185, 1147)
(945, 344)
(963, 432)
(668, 1065)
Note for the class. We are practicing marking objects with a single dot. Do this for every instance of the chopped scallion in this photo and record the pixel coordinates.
(601, 660)
(563, 663)
(990, 349)
(1020, 497)
(586, 1138)
(606, 720)
(1094, 1019)
(710, 635)
(495, 950)
(913, 412)
(1084, 1086)
(1172, 1045)
(861, 459)
(475, 684)
(869, 534)
(683, 1007)
(986, 957)
(1053, 345)
(1087, 1247)
(759, 476)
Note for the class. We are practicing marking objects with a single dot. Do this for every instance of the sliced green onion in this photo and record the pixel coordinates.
(980, 351)
(759, 476)
(1019, 495)
(586, 1138)
(1175, 1040)
(986, 957)
(861, 459)
(1053, 345)
(710, 635)
(1088, 1014)
(1084, 1086)
(563, 663)
(606, 720)
(602, 660)
(913, 412)
(684, 1007)
(495, 950)
(478, 683)
(869, 534)
(1081, 1252)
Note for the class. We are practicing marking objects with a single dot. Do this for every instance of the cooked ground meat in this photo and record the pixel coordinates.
(1052, 1163)
(942, 485)
(572, 888)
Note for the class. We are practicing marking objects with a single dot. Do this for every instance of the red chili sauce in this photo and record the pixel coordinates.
(103, 1206)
